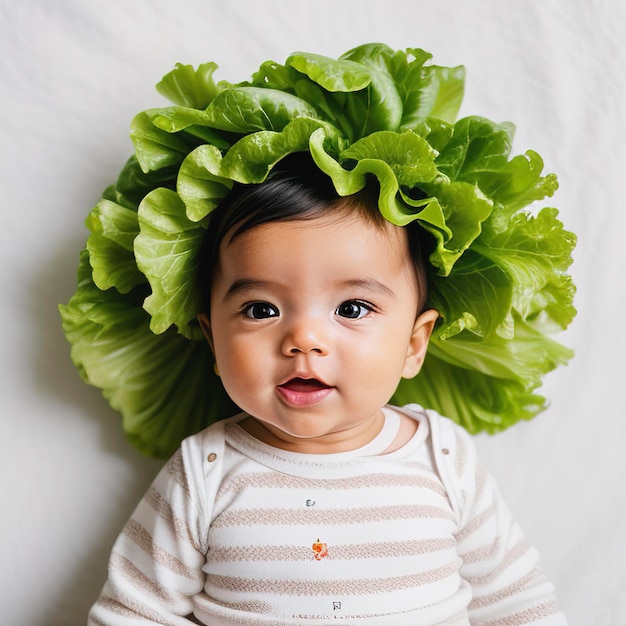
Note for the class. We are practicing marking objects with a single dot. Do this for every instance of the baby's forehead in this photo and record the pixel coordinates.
(337, 216)
(337, 242)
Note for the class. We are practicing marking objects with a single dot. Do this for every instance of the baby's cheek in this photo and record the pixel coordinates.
(242, 376)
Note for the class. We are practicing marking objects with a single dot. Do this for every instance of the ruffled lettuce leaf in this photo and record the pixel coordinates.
(156, 148)
(464, 226)
(477, 151)
(476, 297)
(331, 74)
(133, 183)
(423, 90)
(489, 383)
(534, 252)
(110, 245)
(253, 156)
(406, 159)
(373, 103)
(480, 403)
(207, 174)
(386, 155)
(144, 376)
(166, 250)
(198, 187)
(250, 109)
(189, 87)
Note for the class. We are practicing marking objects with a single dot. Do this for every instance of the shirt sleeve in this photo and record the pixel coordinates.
(508, 585)
(155, 568)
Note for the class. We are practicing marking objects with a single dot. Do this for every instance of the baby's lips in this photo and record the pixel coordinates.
(302, 392)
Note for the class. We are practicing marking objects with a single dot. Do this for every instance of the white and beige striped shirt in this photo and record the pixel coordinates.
(234, 531)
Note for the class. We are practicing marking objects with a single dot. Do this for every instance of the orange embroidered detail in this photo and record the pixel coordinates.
(320, 550)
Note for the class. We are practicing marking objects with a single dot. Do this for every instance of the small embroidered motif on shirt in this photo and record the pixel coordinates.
(320, 550)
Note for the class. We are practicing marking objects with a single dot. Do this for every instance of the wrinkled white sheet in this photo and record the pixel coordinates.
(72, 74)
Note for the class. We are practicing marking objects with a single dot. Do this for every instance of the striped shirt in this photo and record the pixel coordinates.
(234, 531)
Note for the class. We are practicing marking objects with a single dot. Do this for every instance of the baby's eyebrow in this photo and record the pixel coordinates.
(246, 284)
(367, 284)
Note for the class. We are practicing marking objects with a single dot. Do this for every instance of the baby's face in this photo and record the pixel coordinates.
(313, 323)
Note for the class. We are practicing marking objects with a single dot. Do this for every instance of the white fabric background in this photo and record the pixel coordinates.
(72, 75)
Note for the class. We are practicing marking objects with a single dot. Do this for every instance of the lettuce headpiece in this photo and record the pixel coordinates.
(500, 281)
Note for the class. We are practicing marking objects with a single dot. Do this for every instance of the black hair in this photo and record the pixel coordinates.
(297, 189)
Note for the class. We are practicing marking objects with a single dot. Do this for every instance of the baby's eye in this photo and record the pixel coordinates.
(353, 309)
(260, 310)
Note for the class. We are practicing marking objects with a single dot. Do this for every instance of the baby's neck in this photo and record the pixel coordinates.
(324, 443)
(338, 441)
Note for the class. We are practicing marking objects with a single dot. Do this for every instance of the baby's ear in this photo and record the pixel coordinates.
(205, 325)
(418, 343)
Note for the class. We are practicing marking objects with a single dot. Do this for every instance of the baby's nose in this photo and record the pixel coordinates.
(306, 335)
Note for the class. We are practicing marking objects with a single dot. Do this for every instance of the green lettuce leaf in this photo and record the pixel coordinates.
(410, 157)
(110, 245)
(189, 87)
(331, 74)
(144, 376)
(488, 383)
(476, 297)
(250, 109)
(155, 148)
(133, 183)
(423, 90)
(535, 251)
(480, 403)
(465, 226)
(253, 156)
(398, 152)
(198, 187)
(478, 152)
(374, 103)
(166, 252)
(272, 75)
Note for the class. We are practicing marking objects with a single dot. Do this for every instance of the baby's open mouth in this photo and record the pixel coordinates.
(300, 392)
(304, 385)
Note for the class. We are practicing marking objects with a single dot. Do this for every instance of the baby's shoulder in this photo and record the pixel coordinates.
(201, 455)
(453, 451)
(447, 436)
(213, 436)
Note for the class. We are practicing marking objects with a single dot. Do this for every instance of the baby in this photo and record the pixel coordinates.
(320, 502)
